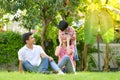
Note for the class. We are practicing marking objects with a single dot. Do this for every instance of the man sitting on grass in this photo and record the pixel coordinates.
(32, 58)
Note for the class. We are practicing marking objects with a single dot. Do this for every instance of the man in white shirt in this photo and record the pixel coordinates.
(32, 58)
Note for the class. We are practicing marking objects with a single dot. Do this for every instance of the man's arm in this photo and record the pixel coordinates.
(20, 66)
(43, 55)
(73, 34)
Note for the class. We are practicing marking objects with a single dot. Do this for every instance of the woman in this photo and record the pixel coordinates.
(65, 54)
(65, 28)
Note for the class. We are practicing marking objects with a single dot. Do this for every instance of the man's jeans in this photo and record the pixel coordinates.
(41, 68)
(66, 62)
(75, 57)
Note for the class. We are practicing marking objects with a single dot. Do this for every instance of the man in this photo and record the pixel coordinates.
(64, 28)
(32, 58)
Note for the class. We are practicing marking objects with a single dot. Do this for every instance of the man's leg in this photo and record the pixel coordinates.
(75, 57)
(67, 63)
(27, 66)
(44, 65)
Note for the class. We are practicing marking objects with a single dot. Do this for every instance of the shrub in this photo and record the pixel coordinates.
(10, 43)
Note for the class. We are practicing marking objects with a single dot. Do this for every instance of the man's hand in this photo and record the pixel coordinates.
(20, 66)
(50, 58)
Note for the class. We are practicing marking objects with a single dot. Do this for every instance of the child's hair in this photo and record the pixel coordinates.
(62, 25)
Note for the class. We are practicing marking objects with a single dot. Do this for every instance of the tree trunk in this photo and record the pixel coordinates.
(84, 57)
(106, 2)
(66, 14)
(107, 59)
(67, 2)
(45, 25)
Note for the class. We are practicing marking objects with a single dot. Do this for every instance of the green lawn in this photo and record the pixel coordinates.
(78, 76)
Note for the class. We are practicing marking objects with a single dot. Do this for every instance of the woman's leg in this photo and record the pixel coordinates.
(54, 66)
(67, 63)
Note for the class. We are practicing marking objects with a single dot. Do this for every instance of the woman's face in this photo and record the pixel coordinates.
(64, 38)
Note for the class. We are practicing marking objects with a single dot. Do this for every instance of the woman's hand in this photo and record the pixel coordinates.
(68, 38)
(60, 40)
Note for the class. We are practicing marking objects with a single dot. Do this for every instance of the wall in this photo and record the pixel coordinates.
(114, 51)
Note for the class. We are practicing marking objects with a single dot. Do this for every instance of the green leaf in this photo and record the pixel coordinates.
(91, 26)
(106, 26)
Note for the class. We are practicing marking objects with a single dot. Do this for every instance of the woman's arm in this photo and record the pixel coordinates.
(57, 51)
(58, 48)
(69, 51)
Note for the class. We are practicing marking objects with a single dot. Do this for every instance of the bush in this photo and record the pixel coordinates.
(10, 43)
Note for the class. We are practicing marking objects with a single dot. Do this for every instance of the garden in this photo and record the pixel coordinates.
(97, 27)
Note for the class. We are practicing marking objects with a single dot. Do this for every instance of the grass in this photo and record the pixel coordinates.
(79, 76)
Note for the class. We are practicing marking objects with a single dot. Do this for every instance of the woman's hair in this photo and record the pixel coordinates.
(26, 37)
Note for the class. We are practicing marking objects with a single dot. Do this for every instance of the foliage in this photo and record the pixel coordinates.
(91, 26)
(117, 37)
(115, 12)
(50, 40)
(98, 21)
(10, 43)
(107, 26)
(80, 42)
(39, 13)
(43, 14)
(117, 57)
(70, 10)
(91, 62)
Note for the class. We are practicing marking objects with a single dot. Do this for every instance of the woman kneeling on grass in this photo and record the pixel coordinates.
(65, 54)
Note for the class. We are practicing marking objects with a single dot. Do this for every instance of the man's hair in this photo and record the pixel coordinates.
(62, 25)
(26, 37)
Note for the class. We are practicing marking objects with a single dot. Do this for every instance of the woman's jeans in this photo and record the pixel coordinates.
(67, 64)
(41, 68)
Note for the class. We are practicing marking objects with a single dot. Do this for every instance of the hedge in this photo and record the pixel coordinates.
(10, 43)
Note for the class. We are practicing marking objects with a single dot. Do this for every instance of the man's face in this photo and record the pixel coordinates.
(31, 40)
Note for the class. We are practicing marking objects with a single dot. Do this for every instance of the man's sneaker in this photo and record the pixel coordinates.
(46, 72)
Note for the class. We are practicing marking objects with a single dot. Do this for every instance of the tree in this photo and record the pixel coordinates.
(39, 13)
(98, 21)
(70, 10)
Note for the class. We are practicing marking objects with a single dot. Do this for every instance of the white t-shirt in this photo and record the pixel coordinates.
(33, 56)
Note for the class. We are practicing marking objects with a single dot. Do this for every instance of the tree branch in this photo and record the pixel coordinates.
(106, 2)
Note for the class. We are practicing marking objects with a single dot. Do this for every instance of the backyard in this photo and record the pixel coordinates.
(78, 76)
(96, 25)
